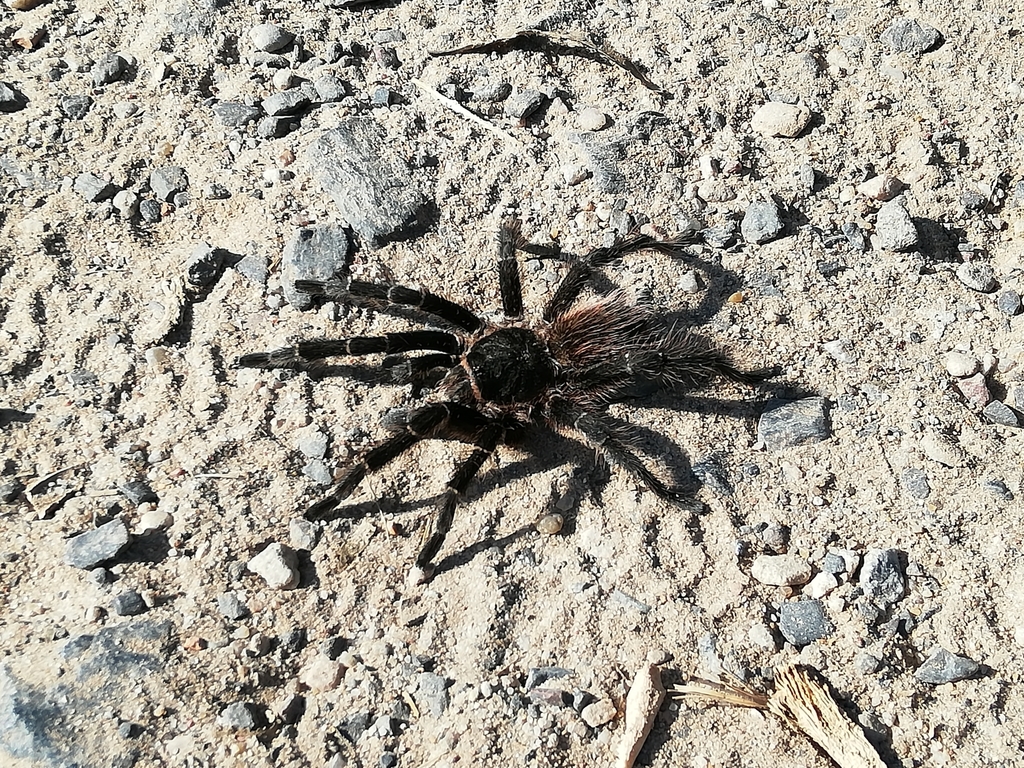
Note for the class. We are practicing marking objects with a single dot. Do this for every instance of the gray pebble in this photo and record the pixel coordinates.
(582, 699)
(302, 534)
(602, 158)
(128, 730)
(216, 191)
(278, 566)
(231, 606)
(855, 236)
(93, 189)
(491, 92)
(881, 576)
(75, 106)
(330, 88)
(910, 36)
(388, 36)
(255, 267)
(803, 622)
(273, 127)
(10, 491)
(382, 97)
(138, 492)
(150, 211)
(95, 547)
(432, 693)
(204, 266)
(894, 229)
(997, 488)
(124, 109)
(521, 105)
(129, 604)
(719, 237)
(235, 114)
(240, 715)
(318, 472)
(1008, 302)
(355, 725)
(867, 664)
(833, 563)
(977, 275)
(761, 222)
(369, 182)
(538, 676)
(999, 413)
(11, 100)
(100, 577)
(285, 102)
(312, 253)
(712, 474)
(914, 483)
(167, 181)
(944, 667)
(785, 424)
(270, 37)
(109, 69)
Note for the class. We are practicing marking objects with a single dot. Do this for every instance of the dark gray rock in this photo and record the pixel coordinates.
(75, 106)
(285, 102)
(944, 667)
(93, 189)
(369, 183)
(109, 69)
(711, 473)
(330, 88)
(97, 546)
(10, 491)
(355, 725)
(491, 92)
(1008, 302)
(313, 253)
(215, 191)
(855, 236)
(719, 237)
(231, 606)
(867, 664)
(235, 114)
(11, 99)
(274, 127)
(204, 267)
(881, 576)
(761, 222)
(788, 423)
(914, 483)
(241, 714)
(150, 211)
(910, 36)
(138, 492)
(521, 105)
(432, 693)
(997, 488)
(540, 675)
(129, 604)
(803, 622)
(1000, 413)
(168, 181)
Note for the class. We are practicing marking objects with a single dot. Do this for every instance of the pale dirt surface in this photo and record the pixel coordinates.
(82, 288)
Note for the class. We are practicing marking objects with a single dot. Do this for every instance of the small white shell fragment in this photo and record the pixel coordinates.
(642, 704)
(550, 524)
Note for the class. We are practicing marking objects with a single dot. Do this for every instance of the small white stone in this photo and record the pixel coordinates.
(282, 79)
(821, 585)
(778, 119)
(761, 636)
(780, 570)
(960, 365)
(278, 566)
(943, 450)
(597, 714)
(321, 674)
(590, 119)
(881, 187)
(156, 520)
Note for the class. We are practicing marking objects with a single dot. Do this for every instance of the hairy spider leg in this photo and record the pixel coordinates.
(582, 269)
(613, 441)
(464, 472)
(392, 343)
(511, 239)
(443, 421)
(399, 295)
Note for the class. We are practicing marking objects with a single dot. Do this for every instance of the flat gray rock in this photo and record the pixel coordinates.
(97, 546)
(369, 183)
(312, 253)
(787, 423)
(911, 36)
(945, 667)
(761, 222)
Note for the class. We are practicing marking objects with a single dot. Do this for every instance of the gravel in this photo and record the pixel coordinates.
(944, 667)
(93, 548)
(804, 622)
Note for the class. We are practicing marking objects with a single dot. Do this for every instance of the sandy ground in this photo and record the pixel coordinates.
(111, 372)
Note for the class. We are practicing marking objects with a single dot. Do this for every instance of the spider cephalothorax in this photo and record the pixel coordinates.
(496, 379)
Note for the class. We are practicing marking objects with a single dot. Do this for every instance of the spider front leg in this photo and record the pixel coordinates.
(486, 443)
(307, 352)
(510, 239)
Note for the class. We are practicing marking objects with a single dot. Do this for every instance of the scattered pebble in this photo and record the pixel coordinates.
(867, 664)
(598, 713)
(168, 181)
(914, 483)
(521, 105)
(944, 667)
(270, 38)
(590, 119)
(126, 203)
(821, 585)
(432, 693)
(277, 565)
(943, 449)
(881, 188)
(907, 35)
(960, 364)
(75, 106)
(312, 253)
(780, 570)
(997, 488)
(302, 533)
(881, 576)
(974, 390)
(231, 606)
(322, 674)
(150, 211)
(154, 520)
(894, 229)
(804, 621)
(329, 88)
(550, 524)
(93, 548)
(778, 119)
(761, 222)
(1008, 302)
(93, 189)
(540, 675)
(11, 100)
(285, 103)
(235, 115)
(1000, 413)
(977, 275)
(785, 424)
(108, 70)
(240, 715)
(129, 604)
(138, 492)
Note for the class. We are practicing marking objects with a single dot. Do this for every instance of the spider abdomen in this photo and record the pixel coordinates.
(511, 365)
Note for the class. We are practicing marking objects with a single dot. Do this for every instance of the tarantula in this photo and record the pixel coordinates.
(497, 378)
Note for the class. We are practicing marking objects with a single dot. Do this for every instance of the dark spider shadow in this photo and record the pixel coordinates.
(467, 554)
(10, 416)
